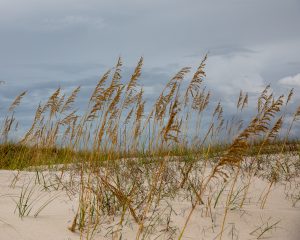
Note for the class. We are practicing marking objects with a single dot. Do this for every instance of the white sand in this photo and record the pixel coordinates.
(53, 221)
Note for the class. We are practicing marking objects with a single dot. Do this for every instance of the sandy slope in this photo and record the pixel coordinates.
(53, 221)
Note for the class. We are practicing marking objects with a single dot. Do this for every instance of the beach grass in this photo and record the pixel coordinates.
(129, 161)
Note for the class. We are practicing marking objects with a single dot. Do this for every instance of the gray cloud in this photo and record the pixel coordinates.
(66, 43)
(293, 81)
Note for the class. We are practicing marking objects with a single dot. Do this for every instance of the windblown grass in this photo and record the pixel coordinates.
(130, 162)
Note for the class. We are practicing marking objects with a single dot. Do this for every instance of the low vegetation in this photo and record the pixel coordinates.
(126, 164)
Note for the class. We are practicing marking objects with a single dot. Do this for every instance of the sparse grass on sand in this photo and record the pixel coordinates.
(120, 171)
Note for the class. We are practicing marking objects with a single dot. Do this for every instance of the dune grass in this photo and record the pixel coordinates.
(131, 161)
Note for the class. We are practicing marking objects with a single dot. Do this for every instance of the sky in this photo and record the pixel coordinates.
(66, 43)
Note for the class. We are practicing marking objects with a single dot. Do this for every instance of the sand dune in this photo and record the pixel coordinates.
(53, 221)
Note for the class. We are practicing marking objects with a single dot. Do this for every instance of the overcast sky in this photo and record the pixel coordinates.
(47, 44)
